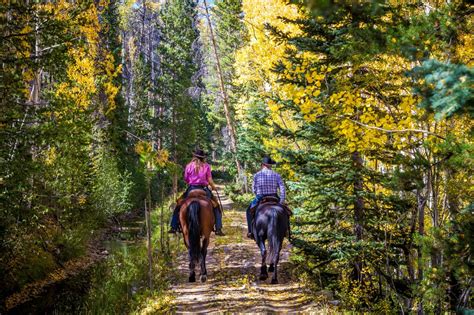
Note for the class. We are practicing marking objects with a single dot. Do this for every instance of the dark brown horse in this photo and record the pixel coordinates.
(196, 216)
(271, 223)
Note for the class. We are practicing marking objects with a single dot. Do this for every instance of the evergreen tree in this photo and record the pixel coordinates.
(225, 35)
(361, 155)
(179, 82)
(59, 92)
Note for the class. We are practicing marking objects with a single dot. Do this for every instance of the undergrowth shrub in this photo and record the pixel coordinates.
(112, 190)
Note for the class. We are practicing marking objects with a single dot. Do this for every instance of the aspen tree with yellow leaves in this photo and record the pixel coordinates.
(363, 154)
(61, 127)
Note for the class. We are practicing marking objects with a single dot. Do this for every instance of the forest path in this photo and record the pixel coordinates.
(233, 263)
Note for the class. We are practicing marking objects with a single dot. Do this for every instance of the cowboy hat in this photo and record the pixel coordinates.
(199, 153)
(268, 160)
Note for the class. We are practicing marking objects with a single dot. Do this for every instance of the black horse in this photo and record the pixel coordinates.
(271, 222)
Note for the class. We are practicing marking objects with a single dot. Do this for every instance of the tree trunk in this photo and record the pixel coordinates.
(148, 235)
(433, 197)
(162, 220)
(175, 152)
(230, 124)
(358, 209)
(421, 202)
(454, 290)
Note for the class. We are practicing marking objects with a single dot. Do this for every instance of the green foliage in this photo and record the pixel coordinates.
(64, 163)
(121, 281)
(230, 34)
(112, 190)
(358, 210)
(221, 174)
(234, 192)
(253, 132)
(180, 84)
(446, 88)
(386, 224)
(117, 281)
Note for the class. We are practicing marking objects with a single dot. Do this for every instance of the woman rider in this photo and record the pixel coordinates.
(198, 176)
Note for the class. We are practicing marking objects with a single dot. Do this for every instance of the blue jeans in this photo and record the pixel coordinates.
(218, 215)
(254, 202)
(175, 218)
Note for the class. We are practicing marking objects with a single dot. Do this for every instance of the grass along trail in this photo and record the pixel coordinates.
(233, 264)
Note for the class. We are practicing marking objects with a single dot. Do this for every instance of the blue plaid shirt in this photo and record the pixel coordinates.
(267, 182)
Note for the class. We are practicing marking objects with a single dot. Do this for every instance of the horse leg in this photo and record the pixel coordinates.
(263, 252)
(275, 263)
(192, 274)
(205, 243)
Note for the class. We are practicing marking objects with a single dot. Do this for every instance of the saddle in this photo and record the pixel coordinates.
(199, 194)
(272, 201)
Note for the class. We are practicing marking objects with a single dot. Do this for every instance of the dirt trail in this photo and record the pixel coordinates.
(233, 263)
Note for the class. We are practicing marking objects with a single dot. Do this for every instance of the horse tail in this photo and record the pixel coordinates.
(194, 231)
(276, 233)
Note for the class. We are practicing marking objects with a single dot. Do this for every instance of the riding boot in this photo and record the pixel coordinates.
(249, 223)
(218, 216)
(174, 221)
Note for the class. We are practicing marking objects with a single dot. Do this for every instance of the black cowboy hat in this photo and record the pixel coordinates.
(199, 153)
(268, 160)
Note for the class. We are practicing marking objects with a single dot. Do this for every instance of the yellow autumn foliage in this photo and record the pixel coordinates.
(90, 69)
(254, 62)
(367, 117)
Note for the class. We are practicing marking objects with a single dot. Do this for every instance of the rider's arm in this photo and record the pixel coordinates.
(254, 188)
(209, 178)
(212, 184)
(282, 189)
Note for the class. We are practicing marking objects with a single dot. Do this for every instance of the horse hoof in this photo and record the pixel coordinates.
(274, 281)
(203, 278)
(263, 277)
(271, 269)
(192, 279)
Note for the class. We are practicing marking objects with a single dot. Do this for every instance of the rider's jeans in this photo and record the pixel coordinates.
(218, 215)
(175, 219)
(252, 204)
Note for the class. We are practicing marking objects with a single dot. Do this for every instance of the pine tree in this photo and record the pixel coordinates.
(179, 82)
(364, 160)
(59, 89)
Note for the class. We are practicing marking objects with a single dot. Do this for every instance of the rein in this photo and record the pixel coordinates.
(219, 198)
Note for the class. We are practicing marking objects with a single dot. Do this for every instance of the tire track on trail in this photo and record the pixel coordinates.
(232, 286)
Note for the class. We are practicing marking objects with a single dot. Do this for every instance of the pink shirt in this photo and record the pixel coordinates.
(197, 178)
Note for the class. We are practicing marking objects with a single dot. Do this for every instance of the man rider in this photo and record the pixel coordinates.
(265, 183)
